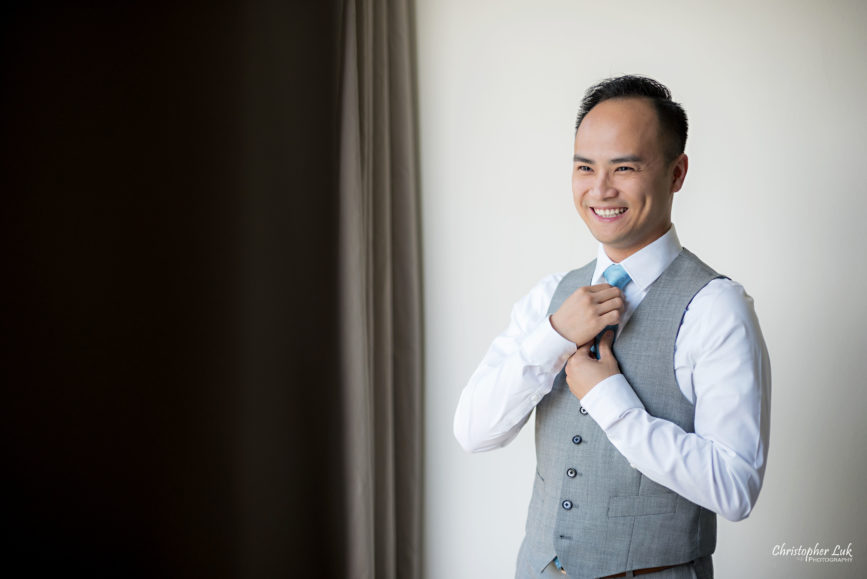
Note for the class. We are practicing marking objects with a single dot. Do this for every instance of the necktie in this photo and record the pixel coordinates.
(616, 276)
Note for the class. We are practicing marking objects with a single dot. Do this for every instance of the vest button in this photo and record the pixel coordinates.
(571, 473)
(576, 439)
(583, 410)
(567, 504)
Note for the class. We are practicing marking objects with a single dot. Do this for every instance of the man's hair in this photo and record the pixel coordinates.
(672, 118)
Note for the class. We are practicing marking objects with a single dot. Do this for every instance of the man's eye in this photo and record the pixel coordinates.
(583, 169)
(623, 169)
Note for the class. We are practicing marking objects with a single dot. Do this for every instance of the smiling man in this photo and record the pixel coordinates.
(647, 369)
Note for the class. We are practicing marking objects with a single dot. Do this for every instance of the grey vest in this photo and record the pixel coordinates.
(589, 507)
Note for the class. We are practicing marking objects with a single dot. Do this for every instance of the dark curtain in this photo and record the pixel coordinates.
(210, 306)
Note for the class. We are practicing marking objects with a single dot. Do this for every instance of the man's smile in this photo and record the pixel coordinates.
(608, 212)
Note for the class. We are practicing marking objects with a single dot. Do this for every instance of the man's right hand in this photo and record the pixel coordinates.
(587, 312)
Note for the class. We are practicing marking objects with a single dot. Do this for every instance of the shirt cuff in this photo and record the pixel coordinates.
(546, 348)
(609, 400)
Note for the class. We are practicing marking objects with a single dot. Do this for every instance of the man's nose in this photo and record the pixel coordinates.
(602, 187)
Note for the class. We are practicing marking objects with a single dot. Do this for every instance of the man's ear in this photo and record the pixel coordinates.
(678, 174)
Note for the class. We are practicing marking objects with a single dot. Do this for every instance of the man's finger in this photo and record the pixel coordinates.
(606, 293)
(599, 287)
(615, 303)
(605, 342)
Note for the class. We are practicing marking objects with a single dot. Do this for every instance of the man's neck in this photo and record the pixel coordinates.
(617, 255)
(647, 263)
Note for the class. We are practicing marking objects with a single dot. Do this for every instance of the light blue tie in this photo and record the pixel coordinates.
(616, 276)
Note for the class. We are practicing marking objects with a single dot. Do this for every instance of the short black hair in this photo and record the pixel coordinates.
(672, 117)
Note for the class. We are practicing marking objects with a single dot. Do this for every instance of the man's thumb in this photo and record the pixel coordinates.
(606, 341)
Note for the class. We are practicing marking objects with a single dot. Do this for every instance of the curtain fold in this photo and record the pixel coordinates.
(379, 292)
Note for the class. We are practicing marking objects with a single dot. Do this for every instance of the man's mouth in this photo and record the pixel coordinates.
(608, 212)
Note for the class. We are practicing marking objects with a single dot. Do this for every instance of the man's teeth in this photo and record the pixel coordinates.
(608, 212)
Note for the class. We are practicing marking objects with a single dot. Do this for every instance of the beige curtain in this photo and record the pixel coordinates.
(380, 292)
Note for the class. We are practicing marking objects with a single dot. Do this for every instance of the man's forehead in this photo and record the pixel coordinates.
(641, 106)
(618, 127)
(632, 112)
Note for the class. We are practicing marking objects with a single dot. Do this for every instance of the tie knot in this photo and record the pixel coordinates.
(616, 276)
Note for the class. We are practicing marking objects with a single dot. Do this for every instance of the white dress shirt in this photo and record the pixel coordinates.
(720, 362)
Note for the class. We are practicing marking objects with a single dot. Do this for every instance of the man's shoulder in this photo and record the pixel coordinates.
(721, 289)
(721, 305)
(724, 293)
(721, 297)
(695, 262)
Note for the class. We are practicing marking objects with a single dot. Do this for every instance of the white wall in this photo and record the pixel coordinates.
(776, 197)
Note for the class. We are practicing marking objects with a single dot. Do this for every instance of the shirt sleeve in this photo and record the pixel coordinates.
(722, 365)
(517, 371)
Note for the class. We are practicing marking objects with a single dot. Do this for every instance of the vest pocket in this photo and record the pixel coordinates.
(636, 506)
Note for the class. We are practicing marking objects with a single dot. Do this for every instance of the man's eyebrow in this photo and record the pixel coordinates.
(626, 159)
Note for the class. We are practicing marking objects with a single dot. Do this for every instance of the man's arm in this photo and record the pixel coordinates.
(721, 351)
(515, 374)
(519, 367)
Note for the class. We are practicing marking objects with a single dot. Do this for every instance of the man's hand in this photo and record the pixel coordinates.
(583, 371)
(587, 312)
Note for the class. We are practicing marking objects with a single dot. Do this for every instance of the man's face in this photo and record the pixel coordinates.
(622, 183)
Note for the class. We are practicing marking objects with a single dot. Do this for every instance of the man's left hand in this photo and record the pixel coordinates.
(583, 371)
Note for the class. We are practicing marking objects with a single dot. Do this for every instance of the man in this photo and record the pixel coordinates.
(647, 369)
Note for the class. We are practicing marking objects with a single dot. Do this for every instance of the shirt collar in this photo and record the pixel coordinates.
(646, 264)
